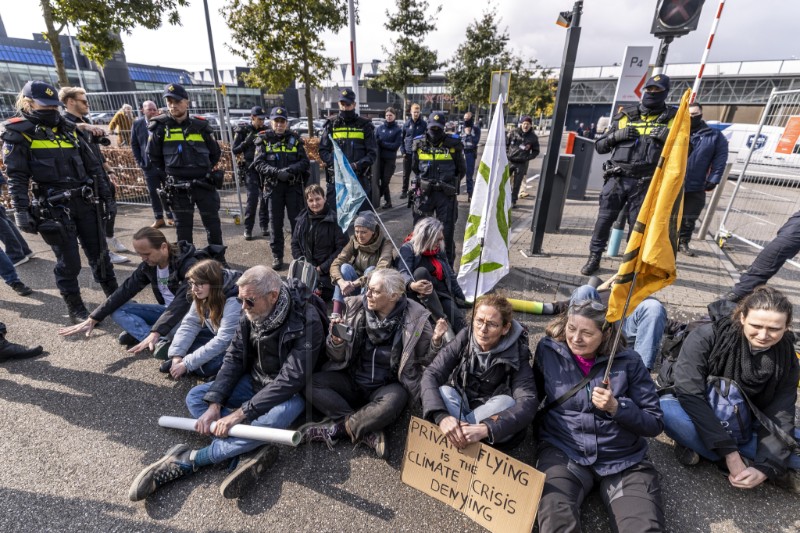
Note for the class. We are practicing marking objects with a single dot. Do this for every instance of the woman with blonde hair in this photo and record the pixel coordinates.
(202, 339)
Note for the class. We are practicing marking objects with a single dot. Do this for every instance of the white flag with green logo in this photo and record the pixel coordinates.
(484, 260)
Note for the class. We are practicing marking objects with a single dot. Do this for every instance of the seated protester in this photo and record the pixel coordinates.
(429, 278)
(643, 328)
(368, 380)
(164, 267)
(754, 348)
(597, 436)
(318, 238)
(491, 370)
(367, 250)
(206, 331)
(264, 371)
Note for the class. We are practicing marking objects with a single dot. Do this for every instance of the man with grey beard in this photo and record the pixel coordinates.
(275, 348)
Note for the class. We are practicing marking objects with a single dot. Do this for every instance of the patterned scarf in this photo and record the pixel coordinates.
(277, 317)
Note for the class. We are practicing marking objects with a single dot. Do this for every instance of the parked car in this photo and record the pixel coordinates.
(378, 122)
(101, 118)
(301, 127)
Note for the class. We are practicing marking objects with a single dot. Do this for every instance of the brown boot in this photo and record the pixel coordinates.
(159, 223)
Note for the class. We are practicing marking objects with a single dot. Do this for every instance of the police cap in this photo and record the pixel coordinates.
(42, 93)
(258, 112)
(436, 120)
(278, 112)
(659, 80)
(347, 96)
(173, 90)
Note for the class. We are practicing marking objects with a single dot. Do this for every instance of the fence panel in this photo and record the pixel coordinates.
(768, 176)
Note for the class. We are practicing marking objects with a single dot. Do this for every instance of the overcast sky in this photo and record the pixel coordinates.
(748, 30)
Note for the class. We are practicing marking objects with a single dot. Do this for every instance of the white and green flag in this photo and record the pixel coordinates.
(484, 260)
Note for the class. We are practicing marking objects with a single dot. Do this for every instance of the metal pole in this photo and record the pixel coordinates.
(619, 330)
(75, 57)
(712, 204)
(661, 58)
(550, 164)
(351, 15)
(697, 80)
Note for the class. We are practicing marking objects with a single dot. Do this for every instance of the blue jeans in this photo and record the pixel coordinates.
(644, 327)
(348, 274)
(16, 245)
(7, 270)
(680, 428)
(137, 319)
(496, 404)
(279, 417)
(212, 366)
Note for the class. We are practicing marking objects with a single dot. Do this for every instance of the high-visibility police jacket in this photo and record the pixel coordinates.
(355, 137)
(55, 158)
(441, 162)
(637, 158)
(185, 150)
(275, 152)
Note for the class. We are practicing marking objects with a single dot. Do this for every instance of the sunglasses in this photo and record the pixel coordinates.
(247, 302)
(583, 304)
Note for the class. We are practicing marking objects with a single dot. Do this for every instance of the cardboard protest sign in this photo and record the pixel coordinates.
(493, 489)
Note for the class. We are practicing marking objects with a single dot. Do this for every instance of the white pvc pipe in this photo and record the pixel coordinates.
(242, 431)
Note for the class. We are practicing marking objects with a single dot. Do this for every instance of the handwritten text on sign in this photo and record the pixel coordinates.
(493, 489)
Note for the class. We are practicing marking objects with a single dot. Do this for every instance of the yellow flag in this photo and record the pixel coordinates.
(654, 240)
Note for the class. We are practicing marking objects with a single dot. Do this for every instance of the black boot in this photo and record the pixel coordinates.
(683, 247)
(75, 307)
(9, 350)
(592, 264)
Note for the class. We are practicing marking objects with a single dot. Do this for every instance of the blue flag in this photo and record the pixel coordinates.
(349, 192)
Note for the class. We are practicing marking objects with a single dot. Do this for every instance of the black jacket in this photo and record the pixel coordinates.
(412, 130)
(690, 374)
(389, 137)
(145, 275)
(301, 341)
(508, 372)
(186, 150)
(355, 137)
(274, 153)
(318, 238)
(515, 146)
(243, 142)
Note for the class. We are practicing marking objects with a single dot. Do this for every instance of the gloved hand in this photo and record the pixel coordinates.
(660, 133)
(625, 134)
(283, 176)
(710, 186)
(24, 222)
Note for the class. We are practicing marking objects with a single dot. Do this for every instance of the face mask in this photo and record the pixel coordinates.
(348, 114)
(654, 100)
(469, 123)
(47, 117)
(436, 135)
(696, 121)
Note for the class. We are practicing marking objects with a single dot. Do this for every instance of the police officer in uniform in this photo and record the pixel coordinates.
(244, 143)
(282, 163)
(635, 140)
(184, 148)
(355, 135)
(413, 128)
(69, 193)
(438, 160)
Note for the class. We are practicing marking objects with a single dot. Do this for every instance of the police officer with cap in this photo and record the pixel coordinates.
(635, 140)
(244, 143)
(185, 149)
(282, 162)
(69, 193)
(355, 135)
(438, 160)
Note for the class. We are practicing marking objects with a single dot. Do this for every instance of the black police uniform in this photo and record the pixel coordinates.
(282, 162)
(411, 130)
(355, 135)
(440, 166)
(65, 176)
(244, 143)
(635, 140)
(187, 152)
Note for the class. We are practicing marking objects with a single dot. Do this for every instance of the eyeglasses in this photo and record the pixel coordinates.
(82, 101)
(479, 324)
(197, 283)
(247, 302)
(583, 304)
(373, 292)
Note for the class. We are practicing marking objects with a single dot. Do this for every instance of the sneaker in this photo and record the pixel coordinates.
(116, 258)
(159, 223)
(162, 350)
(377, 441)
(789, 481)
(21, 289)
(327, 432)
(114, 244)
(127, 340)
(175, 464)
(22, 261)
(165, 366)
(686, 456)
(250, 467)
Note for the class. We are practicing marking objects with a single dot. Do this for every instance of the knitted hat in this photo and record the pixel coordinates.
(368, 220)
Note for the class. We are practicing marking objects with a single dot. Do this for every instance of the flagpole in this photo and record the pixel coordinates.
(386, 231)
(619, 331)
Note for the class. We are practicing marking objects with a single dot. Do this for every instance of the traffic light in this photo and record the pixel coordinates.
(674, 18)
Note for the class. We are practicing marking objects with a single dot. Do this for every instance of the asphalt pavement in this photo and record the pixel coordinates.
(79, 423)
